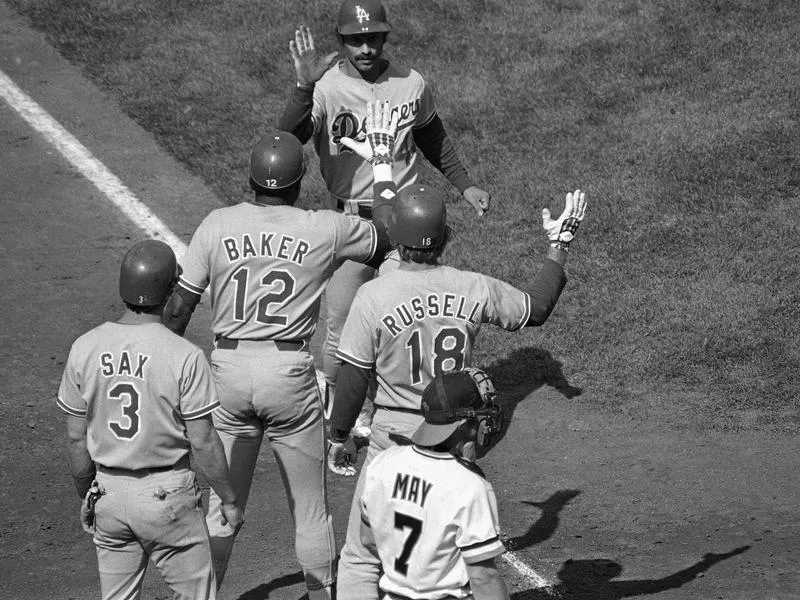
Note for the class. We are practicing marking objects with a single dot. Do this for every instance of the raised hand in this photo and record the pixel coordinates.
(378, 148)
(309, 64)
(562, 230)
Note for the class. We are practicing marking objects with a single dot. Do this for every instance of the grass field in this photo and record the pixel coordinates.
(679, 118)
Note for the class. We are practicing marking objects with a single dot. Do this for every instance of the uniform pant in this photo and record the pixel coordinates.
(264, 390)
(359, 569)
(339, 296)
(156, 515)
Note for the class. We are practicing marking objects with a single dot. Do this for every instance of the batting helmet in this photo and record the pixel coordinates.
(277, 161)
(454, 396)
(148, 273)
(362, 16)
(418, 219)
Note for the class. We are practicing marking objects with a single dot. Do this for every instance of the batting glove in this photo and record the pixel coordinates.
(561, 231)
(342, 457)
(378, 149)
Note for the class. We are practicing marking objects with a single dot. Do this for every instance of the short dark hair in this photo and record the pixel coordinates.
(147, 310)
(426, 256)
(283, 193)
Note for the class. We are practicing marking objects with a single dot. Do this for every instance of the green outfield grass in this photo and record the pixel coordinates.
(679, 119)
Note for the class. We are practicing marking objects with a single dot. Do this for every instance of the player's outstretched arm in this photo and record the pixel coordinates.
(561, 231)
(486, 582)
(210, 459)
(549, 282)
(378, 150)
(309, 64)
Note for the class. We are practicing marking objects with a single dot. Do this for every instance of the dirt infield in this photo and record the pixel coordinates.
(602, 506)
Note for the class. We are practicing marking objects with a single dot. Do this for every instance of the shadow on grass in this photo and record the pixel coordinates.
(591, 579)
(262, 591)
(522, 372)
(546, 524)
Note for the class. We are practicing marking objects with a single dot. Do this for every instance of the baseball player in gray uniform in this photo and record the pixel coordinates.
(418, 321)
(328, 105)
(138, 398)
(266, 264)
(427, 514)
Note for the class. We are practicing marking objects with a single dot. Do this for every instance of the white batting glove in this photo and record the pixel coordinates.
(378, 149)
(561, 231)
(342, 457)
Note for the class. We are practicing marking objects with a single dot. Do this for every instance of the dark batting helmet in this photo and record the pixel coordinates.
(454, 396)
(418, 219)
(148, 273)
(362, 16)
(277, 161)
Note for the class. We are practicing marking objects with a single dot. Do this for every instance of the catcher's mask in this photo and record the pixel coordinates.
(453, 397)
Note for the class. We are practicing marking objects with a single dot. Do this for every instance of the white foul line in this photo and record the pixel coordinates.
(139, 214)
(91, 168)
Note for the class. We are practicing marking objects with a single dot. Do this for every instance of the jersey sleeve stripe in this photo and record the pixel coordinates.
(195, 289)
(527, 313)
(476, 553)
(69, 410)
(363, 364)
(373, 240)
(196, 414)
(433, 115)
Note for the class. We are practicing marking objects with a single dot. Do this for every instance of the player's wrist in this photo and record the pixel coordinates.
(382, 172)
(339, 436)
(559, 245)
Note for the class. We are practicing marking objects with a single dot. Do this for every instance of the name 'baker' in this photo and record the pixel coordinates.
(287, 248)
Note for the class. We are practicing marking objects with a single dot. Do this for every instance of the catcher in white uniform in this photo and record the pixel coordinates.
(428, 514)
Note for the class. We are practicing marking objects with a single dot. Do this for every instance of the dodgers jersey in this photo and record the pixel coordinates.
(429, 516)
(136, 384)
(268, 266)
(340, 110)
(414, 324)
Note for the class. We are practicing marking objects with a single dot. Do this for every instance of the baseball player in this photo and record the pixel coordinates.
(419, 321)
(267, 264)
(137, 398)
(328, 105)
(427, 514)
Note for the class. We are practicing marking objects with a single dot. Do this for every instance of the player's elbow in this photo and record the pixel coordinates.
(486, 581)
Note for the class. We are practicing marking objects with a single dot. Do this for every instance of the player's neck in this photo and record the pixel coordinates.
(131, 318)
(416, 266)
(269, 201)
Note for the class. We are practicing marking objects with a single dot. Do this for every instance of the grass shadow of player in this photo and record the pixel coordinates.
(593, 579)
(522, 372)
(546, 524)
(262, 591)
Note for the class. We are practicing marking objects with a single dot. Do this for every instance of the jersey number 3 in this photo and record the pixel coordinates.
(128, 426)
(284, 289)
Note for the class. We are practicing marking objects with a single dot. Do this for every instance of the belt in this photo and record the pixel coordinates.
(391, 596)
(353, 207)
(139, 473)
(223, 343)
(411, 411)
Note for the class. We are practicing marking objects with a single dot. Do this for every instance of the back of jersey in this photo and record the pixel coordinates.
(429, 515)
(136, 384)
(414, 324)
(268, 266)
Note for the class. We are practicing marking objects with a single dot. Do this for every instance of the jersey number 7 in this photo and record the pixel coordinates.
(403, 521)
